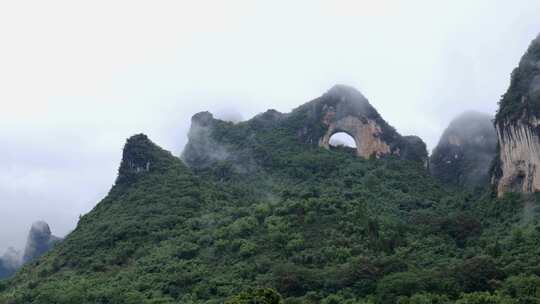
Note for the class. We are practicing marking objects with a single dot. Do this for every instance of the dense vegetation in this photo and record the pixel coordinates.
(285, 222)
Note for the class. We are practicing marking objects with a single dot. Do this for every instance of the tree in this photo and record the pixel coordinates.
(257, 296)
(484, 298)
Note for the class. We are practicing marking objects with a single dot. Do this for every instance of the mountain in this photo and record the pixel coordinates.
(341, 109)
(39, 241)
(263, 211)
(464, 154)
(518, 128)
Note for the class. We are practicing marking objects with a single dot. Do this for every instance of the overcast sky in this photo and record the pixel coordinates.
(79, 77)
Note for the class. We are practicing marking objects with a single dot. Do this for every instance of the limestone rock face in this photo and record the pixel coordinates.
(517, 124)
(344, 109)
(465, 151)
(366, 134)
(519, 154)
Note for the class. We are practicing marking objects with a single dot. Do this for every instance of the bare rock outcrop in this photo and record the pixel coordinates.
(366, 134)
(344, 109)
(518, 128)
(519, 153)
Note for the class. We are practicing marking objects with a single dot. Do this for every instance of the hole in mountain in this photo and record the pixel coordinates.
(342, 139)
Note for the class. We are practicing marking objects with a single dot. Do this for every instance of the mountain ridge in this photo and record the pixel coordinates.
(340, 109)
(265, 210)
(314, 224)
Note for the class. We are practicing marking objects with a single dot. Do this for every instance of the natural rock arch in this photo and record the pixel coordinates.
(342, 139)
(365, 132)
(341, 109)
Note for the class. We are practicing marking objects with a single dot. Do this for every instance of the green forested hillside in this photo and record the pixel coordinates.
(280, 216)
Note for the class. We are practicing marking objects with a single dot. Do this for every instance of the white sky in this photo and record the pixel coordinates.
(79, 77)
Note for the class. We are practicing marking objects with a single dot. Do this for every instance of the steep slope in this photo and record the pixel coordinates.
(163, 234)
(518, 128)
(274, 210)
(465, 151)
(154, 194)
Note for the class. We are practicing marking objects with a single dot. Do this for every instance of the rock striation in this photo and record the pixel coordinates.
(518, 128)
(519, 153)
(465, 151)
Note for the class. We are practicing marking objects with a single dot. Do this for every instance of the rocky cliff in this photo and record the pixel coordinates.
(517, 124)
(465, 151)
(341, 109)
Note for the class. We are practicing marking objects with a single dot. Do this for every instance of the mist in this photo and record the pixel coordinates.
(466, 150)
(79, 78)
